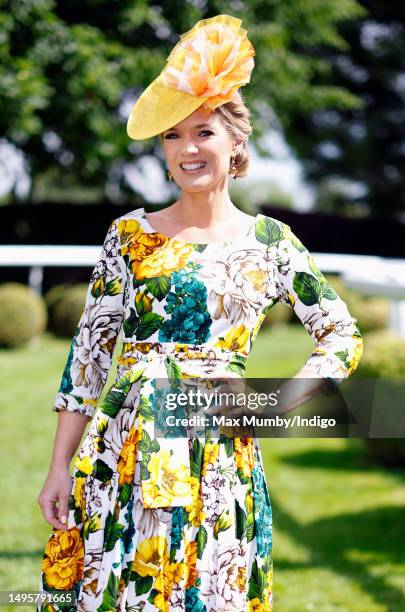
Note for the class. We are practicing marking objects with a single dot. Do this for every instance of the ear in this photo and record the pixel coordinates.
(237, 147)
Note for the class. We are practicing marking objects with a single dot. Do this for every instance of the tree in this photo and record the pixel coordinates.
(357, 156)
(71, 70)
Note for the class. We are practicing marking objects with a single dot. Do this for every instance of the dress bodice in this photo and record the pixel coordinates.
(162, 292)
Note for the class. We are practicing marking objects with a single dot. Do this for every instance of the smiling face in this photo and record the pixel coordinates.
(201, 137)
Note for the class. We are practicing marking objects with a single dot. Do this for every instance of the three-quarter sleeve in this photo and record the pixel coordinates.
(325, 316)
(93, 344)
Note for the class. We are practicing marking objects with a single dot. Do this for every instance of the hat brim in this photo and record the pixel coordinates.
(158, 109)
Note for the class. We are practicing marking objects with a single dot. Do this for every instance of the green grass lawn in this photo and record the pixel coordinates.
(339, 528)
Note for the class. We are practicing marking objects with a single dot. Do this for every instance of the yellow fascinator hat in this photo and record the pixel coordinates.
(209, 63)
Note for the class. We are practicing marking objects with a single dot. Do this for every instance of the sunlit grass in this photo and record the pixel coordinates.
(339, 523)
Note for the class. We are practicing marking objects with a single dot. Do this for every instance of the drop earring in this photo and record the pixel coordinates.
(169, 175)
(233, 168)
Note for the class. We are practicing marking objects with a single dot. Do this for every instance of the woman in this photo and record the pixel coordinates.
(152, 522)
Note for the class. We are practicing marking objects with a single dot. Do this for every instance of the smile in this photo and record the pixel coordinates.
(193, 168)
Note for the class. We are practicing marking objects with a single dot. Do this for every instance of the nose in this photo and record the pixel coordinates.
(191, 147)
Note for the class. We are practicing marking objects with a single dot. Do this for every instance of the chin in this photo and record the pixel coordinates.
(195, 186)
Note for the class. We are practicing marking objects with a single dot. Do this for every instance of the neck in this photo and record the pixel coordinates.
(204, 209)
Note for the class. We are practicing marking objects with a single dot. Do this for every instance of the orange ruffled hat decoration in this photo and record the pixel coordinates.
(206, 67)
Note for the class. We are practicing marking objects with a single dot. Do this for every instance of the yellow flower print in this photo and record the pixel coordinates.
(249, 502)
(291, 298)
(235, 339)
(258, 323)
(98, 287)
(172, 573)
(195, 514)
(223, 522)
(127, 458)
(149, 556)
(171, 256)
(258, 279)
(211, 452)
(190, 562)
(78, 492)
(143, 302)
(168, 478)
(241, 579)
(129, 231)
(84, 465)
(63, 560)
(255, 605)
(91, 525)
(244, 456)
(356, 356)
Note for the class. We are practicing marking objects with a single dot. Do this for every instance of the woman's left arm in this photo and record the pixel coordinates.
(334, 331)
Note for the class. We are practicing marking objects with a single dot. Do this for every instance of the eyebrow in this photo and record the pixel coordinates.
(200, 125)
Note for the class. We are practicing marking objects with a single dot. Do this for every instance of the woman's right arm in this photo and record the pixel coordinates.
(85, 371)
(57, 486)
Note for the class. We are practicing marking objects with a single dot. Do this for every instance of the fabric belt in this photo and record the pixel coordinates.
(164, 462)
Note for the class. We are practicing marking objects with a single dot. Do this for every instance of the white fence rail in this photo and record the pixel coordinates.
(370, 275)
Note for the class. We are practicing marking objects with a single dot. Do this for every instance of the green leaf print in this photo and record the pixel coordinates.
(268, 231)
(229, 446)
(130, 324)
(173, 369)
(159, 286)
(125, 494)
(314, 267)
(311, 290)
(327, 290)
(66, 385)
(145, 442)
(257, 582)
(250, 527)
(344, 357)
(296, 242)
(143, 584)
(154, 446)
(112, 532)
(145, 473)
(102, 471)
(199, 247)
(241, 521)
(237, 364)
(149, 323)
(113, 287)
(307, 287)
(222, 523)
(196, 459)
(78, 516)
(112, 403)
(145, 409)
(152, 596)
(110, 594)
(202, 538)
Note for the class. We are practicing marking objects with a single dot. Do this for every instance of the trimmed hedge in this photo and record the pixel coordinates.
(23, 315)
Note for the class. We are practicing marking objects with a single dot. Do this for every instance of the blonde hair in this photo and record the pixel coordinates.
(236, 118)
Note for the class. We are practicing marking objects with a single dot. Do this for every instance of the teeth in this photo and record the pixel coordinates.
(192, 166)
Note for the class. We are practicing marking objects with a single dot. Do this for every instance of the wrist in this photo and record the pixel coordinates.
(59, 468)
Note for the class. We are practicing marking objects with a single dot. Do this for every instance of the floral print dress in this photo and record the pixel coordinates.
(157, 523)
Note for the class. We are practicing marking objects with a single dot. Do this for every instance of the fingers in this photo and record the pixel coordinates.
(232, 386)
(63, 509)
(50, 513)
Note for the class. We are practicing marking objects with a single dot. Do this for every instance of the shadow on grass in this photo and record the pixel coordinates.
(376, 534)
(351, 458)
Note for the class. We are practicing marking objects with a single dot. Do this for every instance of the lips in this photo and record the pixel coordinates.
(199, 167)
